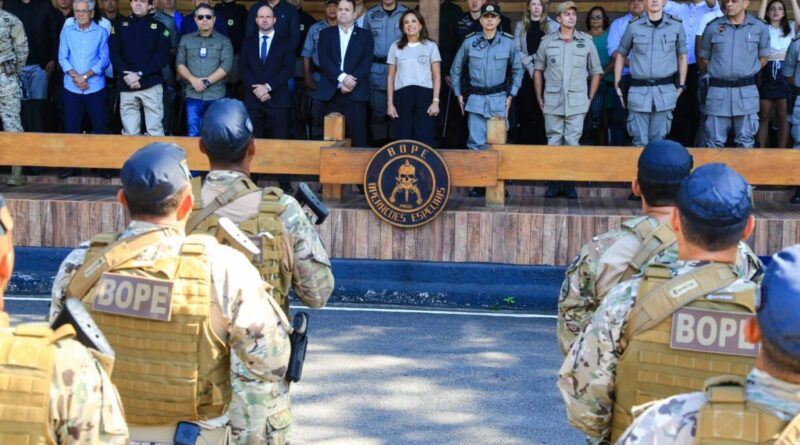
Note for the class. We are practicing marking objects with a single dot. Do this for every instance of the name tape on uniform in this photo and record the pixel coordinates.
(706, 330)
(134, 297)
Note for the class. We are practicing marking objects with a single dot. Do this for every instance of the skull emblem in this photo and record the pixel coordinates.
(406, 183)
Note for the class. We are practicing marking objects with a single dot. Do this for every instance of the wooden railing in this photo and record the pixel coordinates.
(337, 164)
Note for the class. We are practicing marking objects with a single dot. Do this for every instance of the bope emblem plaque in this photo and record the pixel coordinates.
(407, 183)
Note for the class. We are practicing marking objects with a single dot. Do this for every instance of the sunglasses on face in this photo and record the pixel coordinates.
(596, 17)
(204, 16)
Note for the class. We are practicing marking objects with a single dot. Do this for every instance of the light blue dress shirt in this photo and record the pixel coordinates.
(84, 50)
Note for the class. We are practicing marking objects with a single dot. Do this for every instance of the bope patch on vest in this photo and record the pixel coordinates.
(407, 183)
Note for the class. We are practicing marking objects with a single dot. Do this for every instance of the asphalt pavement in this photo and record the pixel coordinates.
(379, 376)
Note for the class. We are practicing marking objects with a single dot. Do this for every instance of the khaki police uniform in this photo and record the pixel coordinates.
(654, 53)
(292, 252)
(52, 383)
(566, 65)
(385, 30)
(732, 100)
(494, 73)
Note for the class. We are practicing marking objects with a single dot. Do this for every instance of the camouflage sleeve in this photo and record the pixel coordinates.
(576, 300)
(312, 277)
(666, 422)
(748, 265)
(20, 44)
(586, 379)
(84, 404)
(65, 271)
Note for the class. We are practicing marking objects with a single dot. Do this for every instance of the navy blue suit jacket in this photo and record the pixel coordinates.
(357, 62)
(277, 70)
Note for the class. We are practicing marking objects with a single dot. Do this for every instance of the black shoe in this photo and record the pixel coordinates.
(287, 188)
(107, 173)
(67, 172)
(633, 197)
(360, 189)
(477, 192)
(570, 192)
(553, 190)
(796, 198)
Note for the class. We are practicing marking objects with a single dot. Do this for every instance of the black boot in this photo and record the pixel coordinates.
(477, 192)
(553, 190)
(796, 198)
(569, 190)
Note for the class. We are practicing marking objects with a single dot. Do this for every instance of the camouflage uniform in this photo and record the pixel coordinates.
(674, 420)
(599, 267)
(587, 377)
(13, 48)
(242, 316)
(84, 405)
(312, 278)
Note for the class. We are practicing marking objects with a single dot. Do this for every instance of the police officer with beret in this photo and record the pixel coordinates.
(271, 217)
(139, 49)
(383, 20)
(731, 409)
(204, 338)
(657, 47)
(567, 58)
(616, 256)
(630, 346)
(493, 71)
(733, 50)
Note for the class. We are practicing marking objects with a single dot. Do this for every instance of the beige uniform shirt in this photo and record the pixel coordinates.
(567, 65)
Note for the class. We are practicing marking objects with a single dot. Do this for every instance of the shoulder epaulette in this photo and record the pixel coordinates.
(510, 36)
(675, 17)
(795, 37)
(470, 35)
(633, 19)
(715, 20)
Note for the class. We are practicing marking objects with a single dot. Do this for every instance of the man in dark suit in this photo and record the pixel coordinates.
(266, 64)
(345, 59)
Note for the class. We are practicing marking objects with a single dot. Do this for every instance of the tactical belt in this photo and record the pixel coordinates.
(376, 59)
(651, 82)
(746, 82)
(481, 91)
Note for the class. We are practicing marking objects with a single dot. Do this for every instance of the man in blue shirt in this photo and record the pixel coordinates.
(83, 56)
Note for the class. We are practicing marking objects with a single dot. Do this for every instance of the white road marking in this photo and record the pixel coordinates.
(375, 309)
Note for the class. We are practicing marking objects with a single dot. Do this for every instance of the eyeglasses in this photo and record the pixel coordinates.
(596, 17)
(204, 17)
(82, 11)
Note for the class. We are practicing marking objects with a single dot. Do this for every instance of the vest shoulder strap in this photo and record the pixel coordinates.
(654, 243)
(108, 258)
(270, 201)
(241, 187)
(655, 306)
(791, 434)
(640, 226)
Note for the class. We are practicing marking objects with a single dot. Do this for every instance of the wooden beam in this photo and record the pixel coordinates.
(496, 134)
(110, 151)
(467, 168)
(618, 164)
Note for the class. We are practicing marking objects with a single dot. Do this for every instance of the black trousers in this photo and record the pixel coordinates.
(685, 118)
(412, 104)
(355, 117)
(272, 123)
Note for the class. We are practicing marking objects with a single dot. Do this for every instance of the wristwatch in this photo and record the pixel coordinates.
(85, 77)
(140, 74)
(206, 83)
(681, 86)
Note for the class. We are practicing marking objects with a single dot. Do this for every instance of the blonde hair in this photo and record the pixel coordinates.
(526, 17)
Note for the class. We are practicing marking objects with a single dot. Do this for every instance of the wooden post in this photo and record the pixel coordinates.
(496, 134)
(430, 10)
(334, 131)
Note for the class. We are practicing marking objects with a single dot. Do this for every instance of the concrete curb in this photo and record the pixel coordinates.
(411, 283)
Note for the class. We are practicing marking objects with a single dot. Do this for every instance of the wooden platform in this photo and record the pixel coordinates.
(528, 230)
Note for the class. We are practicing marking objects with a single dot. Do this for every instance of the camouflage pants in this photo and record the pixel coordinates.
(260, 413)
(10, 97)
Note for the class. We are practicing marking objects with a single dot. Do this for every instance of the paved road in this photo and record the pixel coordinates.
(379, 378)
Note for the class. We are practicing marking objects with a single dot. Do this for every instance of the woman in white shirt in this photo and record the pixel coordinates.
(773, 87)
(412, 87)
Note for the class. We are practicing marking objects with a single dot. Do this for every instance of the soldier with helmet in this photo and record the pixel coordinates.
(292, 254)
(61, 387)
(645, 340)
(196, 333)
(619, 254)
(764, 408)
(13, 54)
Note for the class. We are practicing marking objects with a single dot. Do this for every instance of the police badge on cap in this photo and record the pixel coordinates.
(489, 9)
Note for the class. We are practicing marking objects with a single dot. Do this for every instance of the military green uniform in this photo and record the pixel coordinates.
(494, 72)
(13, 54)
(654, 52)
(566, 65)
(733, 52)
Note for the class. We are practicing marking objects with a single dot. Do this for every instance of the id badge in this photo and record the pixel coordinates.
(203, 53)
